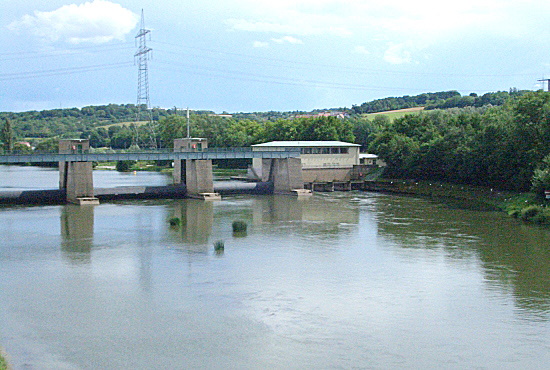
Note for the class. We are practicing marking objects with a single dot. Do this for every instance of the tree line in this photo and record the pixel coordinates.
(501, 144)
(504, 147)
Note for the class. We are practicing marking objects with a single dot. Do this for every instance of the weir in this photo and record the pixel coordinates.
(192, 169)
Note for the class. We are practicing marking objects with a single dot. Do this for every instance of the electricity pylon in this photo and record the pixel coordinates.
(142, 56)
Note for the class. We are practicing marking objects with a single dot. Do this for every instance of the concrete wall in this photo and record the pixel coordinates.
(198, 176)
(326, 174)
(80, 182)
(286, 175)
(75, 177)
(186, 145)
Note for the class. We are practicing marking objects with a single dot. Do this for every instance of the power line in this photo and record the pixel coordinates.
(303, 65)
(61, 71)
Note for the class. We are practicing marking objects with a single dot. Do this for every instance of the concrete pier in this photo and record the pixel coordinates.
(76, 178)
(286, 175)
(196, 174)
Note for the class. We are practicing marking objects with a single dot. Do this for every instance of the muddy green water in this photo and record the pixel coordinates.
(340, 280)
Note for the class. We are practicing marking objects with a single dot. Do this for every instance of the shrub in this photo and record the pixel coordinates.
(239, 226)
(529, 213)
(174, 221)
(219, 245)
(124, 166)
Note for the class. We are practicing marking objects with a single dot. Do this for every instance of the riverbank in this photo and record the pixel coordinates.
(524, 206)
(3, 363)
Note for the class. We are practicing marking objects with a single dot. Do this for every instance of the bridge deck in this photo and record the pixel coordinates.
(158, 155)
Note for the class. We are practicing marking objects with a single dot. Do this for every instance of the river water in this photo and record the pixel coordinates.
(339, 280)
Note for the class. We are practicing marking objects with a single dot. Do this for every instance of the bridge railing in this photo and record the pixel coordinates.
(151, 155)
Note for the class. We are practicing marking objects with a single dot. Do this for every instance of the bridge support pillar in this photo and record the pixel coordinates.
(196, 174)
(286, 175)
(76, 178)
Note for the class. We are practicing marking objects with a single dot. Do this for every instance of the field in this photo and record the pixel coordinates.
(139, 123)
(393, 114)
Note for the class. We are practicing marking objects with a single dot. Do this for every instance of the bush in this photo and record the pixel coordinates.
(124, 166)
(239, 226)
(174, 221)
(219, 245)
(528, 213)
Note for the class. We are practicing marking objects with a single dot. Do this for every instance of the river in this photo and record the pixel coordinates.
(339, 280)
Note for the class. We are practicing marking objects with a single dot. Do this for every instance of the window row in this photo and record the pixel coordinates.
(324, 150)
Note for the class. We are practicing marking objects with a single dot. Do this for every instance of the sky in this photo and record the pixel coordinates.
(259, 55)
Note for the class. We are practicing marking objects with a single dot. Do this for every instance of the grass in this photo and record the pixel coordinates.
(3, 363)
(139, 123)
(393, 114)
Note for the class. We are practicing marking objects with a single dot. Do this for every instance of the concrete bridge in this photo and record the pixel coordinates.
(192, 166)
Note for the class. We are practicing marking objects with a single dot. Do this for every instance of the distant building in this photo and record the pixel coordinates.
(322, 161)
(323, 114)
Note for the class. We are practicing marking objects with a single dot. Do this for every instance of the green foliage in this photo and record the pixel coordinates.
(174, 221)
(500, 147)
(172, 127)
(315, 128)
(50, 145)
(124, 166)
(239, 226)
(3, 363)
(219, 245)
(530, 212)
(472, 100)
(393, 103)
(6, 136)
(541, 178)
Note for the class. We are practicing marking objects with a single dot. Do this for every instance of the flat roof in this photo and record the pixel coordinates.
(367, 155)
(300, 144)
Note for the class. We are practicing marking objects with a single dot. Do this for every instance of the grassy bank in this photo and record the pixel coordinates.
(3, 362)
(524, 206)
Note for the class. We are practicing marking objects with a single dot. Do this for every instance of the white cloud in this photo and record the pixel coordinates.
(287, 39)
(397, 54)
(97, 22)
(260, 44)
(421, 23)
(361, 50)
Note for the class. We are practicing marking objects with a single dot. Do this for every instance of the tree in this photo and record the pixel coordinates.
(6, 136)
(50, 145)
(541, 178)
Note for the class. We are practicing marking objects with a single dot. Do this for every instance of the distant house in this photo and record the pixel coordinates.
(371, 160)
(322, 161)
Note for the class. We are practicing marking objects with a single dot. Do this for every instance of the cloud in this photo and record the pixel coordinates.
(97, 22)
(287, 39)
(301, 28)
(361, 50)
(260, 44)
(397, 54)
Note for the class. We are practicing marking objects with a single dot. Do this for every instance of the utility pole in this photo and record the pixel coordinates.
(547, 80)
(188, 125)
(142, 55)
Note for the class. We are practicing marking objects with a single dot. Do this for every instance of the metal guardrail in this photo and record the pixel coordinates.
(151, 155)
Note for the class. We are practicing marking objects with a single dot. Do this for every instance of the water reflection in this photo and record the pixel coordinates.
(77, 232)
(515, 257)
(197, 219)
